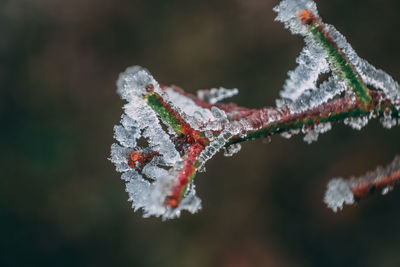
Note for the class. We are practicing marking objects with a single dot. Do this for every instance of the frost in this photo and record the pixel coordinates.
(149, 155)
(356, 123)
(312, 62)
(290, 133)
(214, 146)
(131, 84)
(118, 157)
(338, 193)
(199, 118)
(342, 191)
(370, 75)
(301, 91)
(387, 120)
(312, 98)
(286, 135)
(215, 95)
(167, 135)
(288, 11)
(138, 192)
(142, 129)
(232, 150)
(312, 134)
(386, 190)
(187, 105)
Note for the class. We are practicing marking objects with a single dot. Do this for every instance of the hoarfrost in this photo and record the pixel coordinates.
(356, 123)
(387, 120)
(214, 146)
(338, 193)
(199, 118)
(144, 132)
(288, 11)
(313, 133)
(312, 98)
(312, 83)
(290, 133)
(369, 74)
(312, 62)
(386, 190)
(215, 95)
(342, 191)
(148, 187)
(232, 150)
(286, 135)
(187, 105)
(311, 136)
(301, 91)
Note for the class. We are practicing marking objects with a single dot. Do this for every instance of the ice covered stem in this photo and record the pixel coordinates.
(187, 136)
(339, 61)
(273, 121)
(344, 95)
(167, 135)
(341, 191)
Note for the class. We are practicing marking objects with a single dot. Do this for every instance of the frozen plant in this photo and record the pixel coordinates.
(167, 135)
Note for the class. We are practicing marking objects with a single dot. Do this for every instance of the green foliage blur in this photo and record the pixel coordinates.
(63, 204)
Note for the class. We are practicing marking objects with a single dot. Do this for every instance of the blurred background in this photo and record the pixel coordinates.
(63, 204)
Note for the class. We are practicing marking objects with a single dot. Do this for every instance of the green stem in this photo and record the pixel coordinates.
(341, 63)
(158, 106)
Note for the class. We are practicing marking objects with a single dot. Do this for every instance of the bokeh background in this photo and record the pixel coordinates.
(63, 204)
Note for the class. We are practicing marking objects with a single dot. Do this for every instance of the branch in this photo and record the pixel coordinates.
(269, 121)
(167, 135)
(342, 191)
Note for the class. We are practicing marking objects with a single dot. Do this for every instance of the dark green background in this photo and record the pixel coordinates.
(63, 204)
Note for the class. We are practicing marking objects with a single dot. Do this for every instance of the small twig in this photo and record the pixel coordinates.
(342, 191)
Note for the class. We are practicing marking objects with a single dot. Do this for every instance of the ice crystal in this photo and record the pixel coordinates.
(356, 123)
(312, 62)
(338, 193)
(387, 120)
(376, 78)
(150, 154)
(148, 187)
(288, 11)
(312, 134)
(290, 133)
(215, 95)
(301, 90)
(386, 190)
(232, 150)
